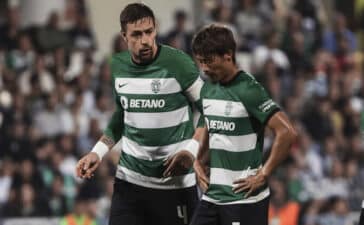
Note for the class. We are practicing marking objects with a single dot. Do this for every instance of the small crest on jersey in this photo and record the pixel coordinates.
(156, 86)
(228, 108)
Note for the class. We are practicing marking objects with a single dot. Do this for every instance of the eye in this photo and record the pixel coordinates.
(149, 31)
(136, 34)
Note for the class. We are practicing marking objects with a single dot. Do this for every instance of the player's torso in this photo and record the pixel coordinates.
(157, 119)
(234, 140)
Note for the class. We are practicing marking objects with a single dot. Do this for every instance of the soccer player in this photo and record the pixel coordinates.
(154, 86)
(236, 109)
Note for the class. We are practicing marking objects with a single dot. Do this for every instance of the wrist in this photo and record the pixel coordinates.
(100, 149)
(264, 173)
(192, 147)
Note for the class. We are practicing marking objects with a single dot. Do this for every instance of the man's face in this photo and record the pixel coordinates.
(140, 38)
(213, 67)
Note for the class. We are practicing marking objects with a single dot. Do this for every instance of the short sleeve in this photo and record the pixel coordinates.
(257, 101)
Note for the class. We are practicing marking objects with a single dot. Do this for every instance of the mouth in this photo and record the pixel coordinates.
(146, 51)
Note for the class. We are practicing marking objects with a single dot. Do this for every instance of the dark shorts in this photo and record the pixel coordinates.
(135, 205)
(237, 214)
(361, 218)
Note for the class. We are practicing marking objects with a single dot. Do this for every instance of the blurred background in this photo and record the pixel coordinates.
(56, 98)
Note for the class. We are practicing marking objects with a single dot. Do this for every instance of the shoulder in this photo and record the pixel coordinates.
(119, 62)
(120, 57)
(247, 86)
(247, 80)
(178, 57)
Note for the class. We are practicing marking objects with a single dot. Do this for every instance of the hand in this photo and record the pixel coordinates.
(202, 179)
(250, 184)
(87, 165)
(178, 163)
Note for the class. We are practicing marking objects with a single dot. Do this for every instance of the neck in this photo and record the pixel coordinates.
(232, 73)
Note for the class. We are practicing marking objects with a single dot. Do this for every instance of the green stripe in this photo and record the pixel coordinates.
(172, 102)
(148, 168)
(235, 160)
(160, 137)
(224, 193)
(242, 125)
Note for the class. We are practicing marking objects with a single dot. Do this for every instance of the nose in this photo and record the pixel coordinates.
(144, 39)
(204, 67)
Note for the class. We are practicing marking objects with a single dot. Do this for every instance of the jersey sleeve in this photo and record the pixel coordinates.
(257, 101)
(188, 76)
(116, 123)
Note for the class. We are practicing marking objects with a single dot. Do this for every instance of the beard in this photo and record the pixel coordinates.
(145, 55)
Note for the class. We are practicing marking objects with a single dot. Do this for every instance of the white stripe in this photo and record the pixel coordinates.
(151, 152)
(193, 92)
(158, 183)
(240, 143)
(156, 120)
(227, 177)
(262, 195)
(213, 107)
(144, 86)
(362, 204)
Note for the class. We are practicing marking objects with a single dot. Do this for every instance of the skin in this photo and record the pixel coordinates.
(140, 37)
(222, 69)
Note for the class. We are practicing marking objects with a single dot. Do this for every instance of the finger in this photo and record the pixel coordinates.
(204, 186)
(170, 167)
(79, 168)
(249, 192)
(91, 170)
(168, 161)
(240, 187)
(203, 178)
(86, 164)
(241, 181)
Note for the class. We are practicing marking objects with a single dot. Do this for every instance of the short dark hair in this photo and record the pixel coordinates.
(134, 12)
(213, 40)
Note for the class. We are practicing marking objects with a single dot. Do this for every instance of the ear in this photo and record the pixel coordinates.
(123, 35)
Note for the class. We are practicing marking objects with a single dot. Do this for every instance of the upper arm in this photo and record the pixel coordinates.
(188, 76)
(257, 101)
(280, 124)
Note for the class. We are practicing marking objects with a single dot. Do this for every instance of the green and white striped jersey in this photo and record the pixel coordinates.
(235, 114)
(153, 116)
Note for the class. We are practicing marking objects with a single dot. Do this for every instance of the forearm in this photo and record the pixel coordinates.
(108, 141)
(112, 134)
(279, 152)
(202, 154)
(113, 131)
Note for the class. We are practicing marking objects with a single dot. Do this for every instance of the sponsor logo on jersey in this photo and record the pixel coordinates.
(124, 102)
(220, 125)
(142, 103)
(267, 105)
(156, 86)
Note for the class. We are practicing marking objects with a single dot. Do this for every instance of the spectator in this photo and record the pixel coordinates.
(179, 37)
(330, 37)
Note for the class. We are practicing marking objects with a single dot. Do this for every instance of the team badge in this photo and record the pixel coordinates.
(228, 108)
(156, 86)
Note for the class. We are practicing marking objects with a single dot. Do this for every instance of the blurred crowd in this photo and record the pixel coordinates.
(56, 98)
